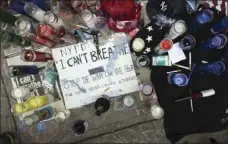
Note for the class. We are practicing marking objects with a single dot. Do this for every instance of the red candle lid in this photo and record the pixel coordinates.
(166, 44)
(60, 32)
(27, 55)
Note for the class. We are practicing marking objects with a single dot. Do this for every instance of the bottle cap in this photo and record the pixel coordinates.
(138, 44)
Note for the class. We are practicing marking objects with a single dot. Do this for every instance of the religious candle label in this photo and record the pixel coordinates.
(33, 82)
(86, 74)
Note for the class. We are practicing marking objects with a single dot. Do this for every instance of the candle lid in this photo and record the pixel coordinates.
(128, 101)
(142, 61)
(138, 44)
(86, 15)
(13, 71)
(50, 17)
(27, 55)
(166, 44)
(180, 26)
(157, 112)
(60, 32)
(28, 121)
(146, 89)
(179, 79)
(17, 93)
(219, 41)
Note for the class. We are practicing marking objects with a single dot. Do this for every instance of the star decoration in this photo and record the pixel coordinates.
(148, 49)
(149, 38)
(149, 28)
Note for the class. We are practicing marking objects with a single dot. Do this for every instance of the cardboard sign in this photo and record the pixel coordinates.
(86, 74)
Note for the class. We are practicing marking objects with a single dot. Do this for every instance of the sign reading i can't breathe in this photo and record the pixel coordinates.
(86, 74)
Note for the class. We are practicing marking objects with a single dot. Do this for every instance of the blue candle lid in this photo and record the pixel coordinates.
(219, 41)
(205, 16)
(180, 79)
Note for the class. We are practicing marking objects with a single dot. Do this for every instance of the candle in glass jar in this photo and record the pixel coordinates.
(52, 19)
(41, 4)
(35, 56)
(41, 40)
(34, 11)
(21, 70)
(7, 18)
(78, 5)
(8, 37)
(38, 101)
(68, 5)
(24, 26)
(18, 7)
(46, 31)
(146, 89)
(88, 18)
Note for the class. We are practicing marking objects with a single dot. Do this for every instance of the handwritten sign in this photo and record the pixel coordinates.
(86, 74)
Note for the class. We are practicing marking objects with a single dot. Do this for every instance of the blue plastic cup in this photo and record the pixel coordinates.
(216, 42)
(178, 79)
(220, 26)
(216, 68)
